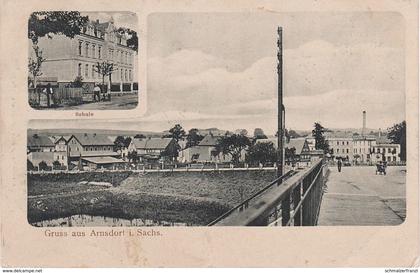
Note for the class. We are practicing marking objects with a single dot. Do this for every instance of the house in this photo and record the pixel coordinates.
(388, 152)
(302, 152)
(90, 145)
(67, 58)
(341, 147)
(153, 148)
(61, 149)
(206, 151)
(101, 162)
(362, 146)
(39, 143)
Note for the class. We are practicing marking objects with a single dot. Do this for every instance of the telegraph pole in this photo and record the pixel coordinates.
(280, 107)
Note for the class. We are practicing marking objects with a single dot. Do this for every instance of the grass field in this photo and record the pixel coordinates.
(194, 198)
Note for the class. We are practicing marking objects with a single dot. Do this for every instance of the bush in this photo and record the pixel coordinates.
(43, 166)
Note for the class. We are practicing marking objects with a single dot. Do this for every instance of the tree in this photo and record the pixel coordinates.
(77, 82)
(397, 135)
(132, 156)
(193, 138)
(262, 152)
(233, 145)
(56, 164)
(133, 40)
(120, 143)
(320, 141)
(34, 65)
(290, 154)
(356, 157)
(43, 166)
(259, 133)
(293, 134)
(177, 133)
(46, 23)
(105, 69)
(29, 165)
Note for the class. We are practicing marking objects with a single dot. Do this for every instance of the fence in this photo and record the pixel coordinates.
(61, 95)
(293, 199)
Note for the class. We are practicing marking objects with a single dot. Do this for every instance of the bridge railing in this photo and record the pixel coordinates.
(293, 199)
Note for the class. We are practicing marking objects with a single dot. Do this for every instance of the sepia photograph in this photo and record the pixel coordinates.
(82, 60)
(284, 119)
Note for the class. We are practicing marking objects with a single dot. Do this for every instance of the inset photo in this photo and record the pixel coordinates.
(82, 60)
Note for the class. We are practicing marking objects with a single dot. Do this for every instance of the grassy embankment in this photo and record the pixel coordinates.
(193, 198)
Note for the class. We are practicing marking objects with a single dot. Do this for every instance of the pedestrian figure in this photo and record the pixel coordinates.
(97, 93)
(49, 92)
(339, 163)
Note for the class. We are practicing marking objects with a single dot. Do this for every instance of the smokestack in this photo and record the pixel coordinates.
(364, 123)
(380, 133)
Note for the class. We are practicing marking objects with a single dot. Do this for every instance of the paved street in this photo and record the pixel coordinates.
(357, 196)
(124, 102)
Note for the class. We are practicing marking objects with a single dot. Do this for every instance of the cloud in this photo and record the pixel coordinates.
(321, 81)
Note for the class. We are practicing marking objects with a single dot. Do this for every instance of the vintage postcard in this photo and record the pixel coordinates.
(293, 126)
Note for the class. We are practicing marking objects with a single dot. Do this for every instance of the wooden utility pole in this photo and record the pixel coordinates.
(280, 108)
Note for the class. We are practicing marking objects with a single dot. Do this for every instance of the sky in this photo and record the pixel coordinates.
(121, 19)
(219, 69)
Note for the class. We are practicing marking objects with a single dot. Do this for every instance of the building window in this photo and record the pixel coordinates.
(86, 70)
(125, 75)
(93, 51)
(99, 52)
(129, 75)
(121, 74)
(338, 150)
(87, 50)
(347, 143)
(93, 71)
(347, 150)
(389, 150)
(79, 71)
(80, 48)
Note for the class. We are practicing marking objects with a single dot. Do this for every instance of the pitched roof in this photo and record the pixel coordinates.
(55, 139)
(93, 139)
(383, 140)
(151, 143)
(208, 140)
(103, 160)
(39, 141)
(296, 143)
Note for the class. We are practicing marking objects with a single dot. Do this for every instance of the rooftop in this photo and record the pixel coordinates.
(151, 143)
(39, 141)
(93, 139)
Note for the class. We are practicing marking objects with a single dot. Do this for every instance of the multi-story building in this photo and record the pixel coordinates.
(66, 58)
(386, 152)
(362, 146)
(342, 147)
(90, 145)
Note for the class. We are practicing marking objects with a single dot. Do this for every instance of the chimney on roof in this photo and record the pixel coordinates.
(364, 123)
(97, 21)
(85, 134)
(380, 132)
(94, 134)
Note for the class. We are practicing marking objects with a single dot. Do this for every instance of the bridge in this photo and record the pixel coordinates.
(320, 195)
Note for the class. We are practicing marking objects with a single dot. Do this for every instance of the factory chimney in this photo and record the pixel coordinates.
(364, 123)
